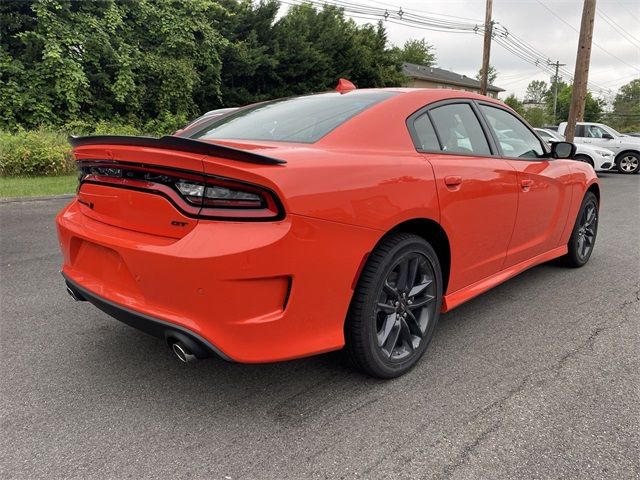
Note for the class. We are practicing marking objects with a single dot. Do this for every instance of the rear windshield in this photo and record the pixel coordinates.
(301, 119)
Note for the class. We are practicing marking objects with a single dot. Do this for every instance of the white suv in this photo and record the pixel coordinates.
(625, 147)
(600, 159)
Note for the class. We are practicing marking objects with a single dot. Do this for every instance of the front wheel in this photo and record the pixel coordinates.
(395, 307)
(584, 158)
(629, 163)
(583, 237)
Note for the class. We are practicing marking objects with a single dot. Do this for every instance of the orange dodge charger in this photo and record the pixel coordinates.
(308, 224)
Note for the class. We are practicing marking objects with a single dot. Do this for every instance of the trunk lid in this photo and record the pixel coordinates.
(122, 188)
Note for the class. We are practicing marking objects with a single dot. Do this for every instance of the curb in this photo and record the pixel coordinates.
(36, 199)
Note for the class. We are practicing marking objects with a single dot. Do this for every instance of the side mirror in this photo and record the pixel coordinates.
(608, 136)
(562, 150)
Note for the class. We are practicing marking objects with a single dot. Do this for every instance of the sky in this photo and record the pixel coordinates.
(550, 26)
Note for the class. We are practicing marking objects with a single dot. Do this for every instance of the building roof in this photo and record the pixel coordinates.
(435, 74)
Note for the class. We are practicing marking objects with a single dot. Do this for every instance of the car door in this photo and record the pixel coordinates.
(544, 195)
(591, 135)
(476, 189)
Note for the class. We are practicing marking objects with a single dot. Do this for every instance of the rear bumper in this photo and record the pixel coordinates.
(250, 292)
(200, 347)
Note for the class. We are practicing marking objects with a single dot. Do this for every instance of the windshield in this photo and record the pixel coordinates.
(300, 119)
(613, 132)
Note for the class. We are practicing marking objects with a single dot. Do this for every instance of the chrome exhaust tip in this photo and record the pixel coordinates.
(183, 353)
(74, 295)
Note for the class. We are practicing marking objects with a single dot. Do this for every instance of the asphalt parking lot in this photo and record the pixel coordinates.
(539, 378)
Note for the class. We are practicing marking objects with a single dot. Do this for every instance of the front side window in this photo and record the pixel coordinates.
(516, 140)
(593, 131)
(300, 119)
(459, 129)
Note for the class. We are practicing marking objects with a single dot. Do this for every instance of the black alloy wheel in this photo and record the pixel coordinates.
(583, 237)
(405, 306)
(395, 307)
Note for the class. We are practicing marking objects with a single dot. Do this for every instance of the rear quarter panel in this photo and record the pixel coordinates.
(581, 179)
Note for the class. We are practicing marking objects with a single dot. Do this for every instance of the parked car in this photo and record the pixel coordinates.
(625, 147)
(301, 225)
(211, 114)
(600, 159)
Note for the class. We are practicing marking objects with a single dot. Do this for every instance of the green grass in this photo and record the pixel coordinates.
(37, 186)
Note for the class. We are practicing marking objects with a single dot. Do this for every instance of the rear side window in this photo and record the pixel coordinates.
(426, 135)
(459, 129)
(516, 140)
(300, 119)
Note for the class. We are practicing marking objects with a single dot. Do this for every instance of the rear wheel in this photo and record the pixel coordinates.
(583, 237)
(395, 307)
(584, 158)
(629, 162)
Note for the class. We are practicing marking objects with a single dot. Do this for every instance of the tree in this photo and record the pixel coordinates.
(536, 91)
(415, 51)
(592, 111)
(493, 74)
(626, 107)
(536, 116)
(514, 103)
(68, 59)
(145, 60)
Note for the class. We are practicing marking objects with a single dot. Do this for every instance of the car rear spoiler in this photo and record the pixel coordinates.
(182, 144)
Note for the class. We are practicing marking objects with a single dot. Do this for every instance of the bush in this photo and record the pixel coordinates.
(36, 152)
(47, 151)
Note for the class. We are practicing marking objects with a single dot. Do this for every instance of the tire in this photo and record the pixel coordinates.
(628, 163)
(387, 332)
(583, 236)
(584, 158)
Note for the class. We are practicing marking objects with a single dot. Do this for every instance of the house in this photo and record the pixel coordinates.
(421, 76)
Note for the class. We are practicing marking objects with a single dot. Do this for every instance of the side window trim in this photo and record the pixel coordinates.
(543, 144)
(493, 148)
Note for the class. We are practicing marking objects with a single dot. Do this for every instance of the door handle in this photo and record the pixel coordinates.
(526, 184)
(452, 180)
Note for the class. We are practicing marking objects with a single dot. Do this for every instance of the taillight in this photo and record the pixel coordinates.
(215, 197)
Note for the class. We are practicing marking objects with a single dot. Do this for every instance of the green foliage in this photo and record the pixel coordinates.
(593, 109)
(536, 91)
(37, 152)
(491, 77)
(626, 108)
(415, 51)
(514, 103)
(537, 116)
(146, 67)
(70, 59)
(152, 63)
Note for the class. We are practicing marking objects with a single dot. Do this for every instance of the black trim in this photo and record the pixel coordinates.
(543, 143)
(170, 142)
(200, 347)
(493, 149)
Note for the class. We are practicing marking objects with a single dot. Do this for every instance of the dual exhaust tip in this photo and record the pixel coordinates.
(182, 351)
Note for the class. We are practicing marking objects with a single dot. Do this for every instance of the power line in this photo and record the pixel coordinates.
(620, 30)
(629, 11)
(594, 43)
(501, 35)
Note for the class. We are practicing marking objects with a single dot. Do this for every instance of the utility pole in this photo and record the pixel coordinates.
(581, 75)
(488, 31)
(555, 89)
